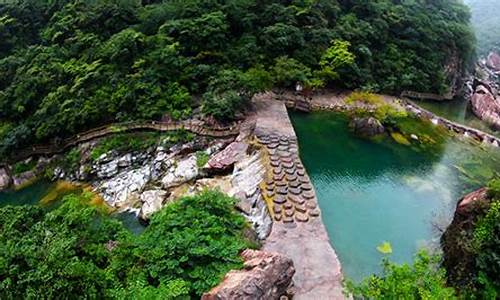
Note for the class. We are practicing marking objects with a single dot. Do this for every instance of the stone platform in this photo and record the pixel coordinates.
(298, 231)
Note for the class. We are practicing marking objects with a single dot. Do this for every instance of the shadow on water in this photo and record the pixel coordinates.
(371, 192)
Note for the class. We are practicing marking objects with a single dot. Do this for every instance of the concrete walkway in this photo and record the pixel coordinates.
(298, 231)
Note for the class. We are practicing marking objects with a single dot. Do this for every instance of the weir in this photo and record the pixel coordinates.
(298, 230)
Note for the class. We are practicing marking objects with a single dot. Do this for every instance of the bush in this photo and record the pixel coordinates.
(423, 280)
(79, 251)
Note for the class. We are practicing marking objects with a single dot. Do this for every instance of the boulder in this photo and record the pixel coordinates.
(108, 169)
(493, 61)
(227, 157)
(245, 180)
(5, 179)
(485, 106)
(458, 255)
(367, 126)
(181, 172)
(23, 179)
(265, 276)
(125, 161)
(121, 190)
(152, 201)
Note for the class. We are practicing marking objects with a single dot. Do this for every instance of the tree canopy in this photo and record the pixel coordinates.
(77, 250)
(69, 65)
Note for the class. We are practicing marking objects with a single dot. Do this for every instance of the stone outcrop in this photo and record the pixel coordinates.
(367, 127)
(486, 106)
(152, 201)
(5, 179)
(493, 61)
(227, 157)
(266, 276)
(457, 255)
(180, 172)
(245, 181)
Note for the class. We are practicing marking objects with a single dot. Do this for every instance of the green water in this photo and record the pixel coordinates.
(374, 192)
(32, 194)
(458, 111)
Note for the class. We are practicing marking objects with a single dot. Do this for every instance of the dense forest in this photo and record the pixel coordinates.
(67, 66)
(486, 22)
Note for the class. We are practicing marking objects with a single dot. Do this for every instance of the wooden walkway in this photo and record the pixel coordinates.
(195, 127)
(426, 96)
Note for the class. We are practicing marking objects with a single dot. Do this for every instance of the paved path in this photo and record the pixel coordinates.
(298, 230)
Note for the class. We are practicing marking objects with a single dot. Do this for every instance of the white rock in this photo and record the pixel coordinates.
(125, 161)
(246, 178)
(118, 191)
(414, 137)
(108, 170)
(152, 201)
(182, 172)
(5, 179)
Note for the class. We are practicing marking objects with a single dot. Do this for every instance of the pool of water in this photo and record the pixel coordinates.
(375, 192)
(32, 195)
(458, 111)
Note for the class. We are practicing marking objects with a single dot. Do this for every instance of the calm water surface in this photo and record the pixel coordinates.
(372, 192)
(32, 194)
(458, 111)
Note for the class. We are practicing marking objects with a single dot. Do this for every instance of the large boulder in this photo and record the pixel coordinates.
(227, 157)
(121, 190)
(493, 61)
(5, 179)
(485, 106)
(367, 127)
(181, 172)
(152, 201)
(245, 180)
(458, 255)
(265, 276)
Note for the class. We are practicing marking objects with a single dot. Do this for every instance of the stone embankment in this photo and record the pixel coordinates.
(298, 231)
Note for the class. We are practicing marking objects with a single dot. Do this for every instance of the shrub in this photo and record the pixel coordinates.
(22, 166)
(79, 251)
(423, 280)
(201, 158)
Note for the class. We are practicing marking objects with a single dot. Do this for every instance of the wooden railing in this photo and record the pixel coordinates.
(102, 131)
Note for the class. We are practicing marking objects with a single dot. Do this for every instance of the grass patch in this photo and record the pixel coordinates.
(22, 167)
(201, 159)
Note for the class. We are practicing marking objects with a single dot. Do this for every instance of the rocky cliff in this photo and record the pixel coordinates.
(485, 98)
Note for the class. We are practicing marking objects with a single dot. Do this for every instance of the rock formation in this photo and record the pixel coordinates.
(367, 127)
(5, 180)
(265, 276)
(486, 106)
(457, 255)
(485, 101)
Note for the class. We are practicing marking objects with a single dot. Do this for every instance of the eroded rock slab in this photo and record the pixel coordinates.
(266, 276)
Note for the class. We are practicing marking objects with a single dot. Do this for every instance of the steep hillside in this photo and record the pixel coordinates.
(72, 65)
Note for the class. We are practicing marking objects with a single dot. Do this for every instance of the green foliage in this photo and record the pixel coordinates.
(72, 159)
(23, 166)
(423, 280)
(494, 189)
(335, 57)
(124, 142)
(68, 66)
(385, 248)
(201, 158)
(77, 250)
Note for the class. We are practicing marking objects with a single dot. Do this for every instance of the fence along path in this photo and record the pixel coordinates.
(125, 127)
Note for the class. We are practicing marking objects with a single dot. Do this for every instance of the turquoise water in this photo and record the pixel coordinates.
(458, 111)
(32, 194)
(372, 192)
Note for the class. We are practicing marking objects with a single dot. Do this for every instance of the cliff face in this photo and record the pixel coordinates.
(459, 259)
(485, 99)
